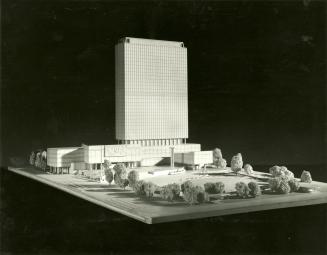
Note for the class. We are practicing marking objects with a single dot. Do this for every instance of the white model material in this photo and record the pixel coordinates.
(151, 112)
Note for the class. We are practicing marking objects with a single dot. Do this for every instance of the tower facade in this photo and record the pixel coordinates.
(151, 92)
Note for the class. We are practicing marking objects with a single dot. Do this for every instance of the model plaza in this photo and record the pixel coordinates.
(151, 112)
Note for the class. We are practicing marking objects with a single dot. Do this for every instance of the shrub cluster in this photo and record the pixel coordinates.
(147, 189)
(38, 159)
(186, 185)
(283, 185)
(194, 194)
(245, 191)
(170, 192)
(281, 171)
(214, 188)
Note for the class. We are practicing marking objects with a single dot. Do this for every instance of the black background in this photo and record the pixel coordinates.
(257, 77)
(256, 73)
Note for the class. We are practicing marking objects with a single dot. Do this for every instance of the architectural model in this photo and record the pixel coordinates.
(148, 164)
(151, 112)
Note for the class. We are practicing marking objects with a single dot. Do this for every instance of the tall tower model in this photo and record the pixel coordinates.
(151, 112)
(151, 92)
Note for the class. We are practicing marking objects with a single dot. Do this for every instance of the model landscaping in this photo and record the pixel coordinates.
(213, 182)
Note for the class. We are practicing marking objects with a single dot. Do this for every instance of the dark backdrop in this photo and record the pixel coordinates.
(256, 86)
(256, 73)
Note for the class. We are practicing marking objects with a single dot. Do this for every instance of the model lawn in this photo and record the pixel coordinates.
(211, 182)
(159, 194)
(204, 185)
(155, 201)
(208, 183)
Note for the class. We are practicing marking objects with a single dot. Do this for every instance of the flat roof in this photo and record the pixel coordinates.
(150, 41)
(63, 148)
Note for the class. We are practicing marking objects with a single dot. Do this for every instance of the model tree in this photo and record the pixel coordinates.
(202, 196)
(124, 183)
(242, 189)
(275, 171)
(274, 183)
(288, 174)
(38, 160)
(306, 176)
(195, 194)
(281, 171)
(120, 174)
(108, 175)
(106, 164)
(236, 163)
(44, 160)
(186, 185)
(279, 185)
(221, 163)
(214, 188)
(218, 159)
(284, 188)
(139, 188)
(210, 187)
(149, 188)
(133, 177)
(32, 158)
(217, 154)
(189, 194)
(254, 189)
(294, 185)
(248, 169)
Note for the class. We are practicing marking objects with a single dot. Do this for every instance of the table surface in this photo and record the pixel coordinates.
(158, 211)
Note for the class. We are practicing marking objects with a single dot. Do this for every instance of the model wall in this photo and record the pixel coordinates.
(96, 154)
(133, 153)
(194, 158)
(63, 157)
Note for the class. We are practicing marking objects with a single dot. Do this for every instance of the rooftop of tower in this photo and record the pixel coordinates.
(150, 42)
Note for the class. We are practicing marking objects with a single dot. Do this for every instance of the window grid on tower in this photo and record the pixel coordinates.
(152, 92)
